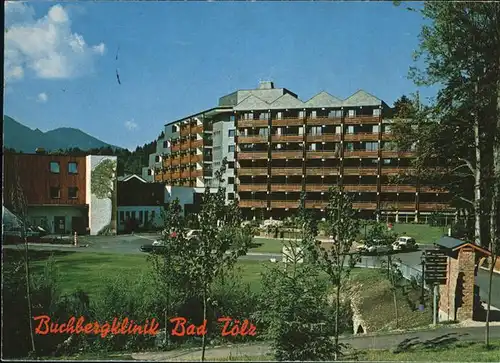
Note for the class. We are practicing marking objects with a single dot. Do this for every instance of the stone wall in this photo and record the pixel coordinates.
(467, 264)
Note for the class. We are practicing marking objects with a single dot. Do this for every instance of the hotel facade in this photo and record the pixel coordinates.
(279, 146)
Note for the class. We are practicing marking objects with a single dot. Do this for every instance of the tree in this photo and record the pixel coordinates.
(19, 204)
(103, 184)
(460, 48)
(397, 281)
(221, 241)
(337, 261)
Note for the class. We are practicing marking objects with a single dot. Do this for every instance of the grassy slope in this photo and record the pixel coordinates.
(376, 303)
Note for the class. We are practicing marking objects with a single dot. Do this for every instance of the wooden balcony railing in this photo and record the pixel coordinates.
(252, 187)
(185, 159)
(432, 190)
(322, 154)
(284, 204)
(360, 171)
(322, 171)
(254, 139)
(252, 171)
(398, 206)
(198, 129)
(290, 154)
(292, 121)
(360, 188)
(176, 161)
(317, 187)
(197, 144)
(252, 123)
(252, 155)
(360, 154)
(185, 146)
(245, 203)
(316, 203)
(198, 173)
(323, 138)
(390, 154)
(286, 171)
(196, 158)
(362, 120)
(406, 154)
(158, 177)
(398, 189)
(286, 187)
(361, 136)
(185, 131)
(387, 136)
(434, 206)
(364, 205)
(185, 174)
(176, 175)
(287, 138)
(324, 120)
(175, 147)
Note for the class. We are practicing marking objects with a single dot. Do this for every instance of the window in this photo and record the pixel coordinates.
(230, 164)
(387, 161)
(279, 115)
(350, 129)
(376, 112)
(374, 161)
(231, 133)
(302, 114)
(230, 196)
(122, 216)
(157, 158)
(166, 144)
(301, 130)
(54, 167)
(312, 147)
(146, 215)
(316, 130)
(140, 216)
(352, 113)
(375, 129)
(313, 114)
(387, 128)
(153, 215)
(72, 168)
(231, 118)
(230, 148)
(338, 130)
(72, 192)
(350, 146)
(174, 128)
(230, 180)
(150, 172)
(55, 192)
(371, 146)
(133, 214)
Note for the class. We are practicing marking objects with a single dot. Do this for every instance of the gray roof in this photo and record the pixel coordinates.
(323, 99)
(362, 98)
(449, 242)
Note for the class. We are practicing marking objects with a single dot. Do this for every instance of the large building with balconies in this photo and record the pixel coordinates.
(284, 146)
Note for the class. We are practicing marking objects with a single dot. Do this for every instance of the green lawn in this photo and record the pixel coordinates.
(422, 233)
(269, 245)
(87, 270)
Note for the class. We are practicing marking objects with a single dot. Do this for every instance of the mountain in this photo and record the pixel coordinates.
(22, 138)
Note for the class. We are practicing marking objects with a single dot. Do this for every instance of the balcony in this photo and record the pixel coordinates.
(318, 187)
(176, 161)
(252, 188)
(198, 173)
(185, 174)
(360, 171)
(287, 138)
(316, 203)
(398, 189)
(197, 144)
(406, 154)
(322, 154)
(390, 154)
(284, 204)
(360, 188)
(252, 123)
(175, 148)
(364, 205)
(396, 171)
(185, 159)
(398, 206)
(185, 131)
(252, 171)
(322, 171)
(387, 136)
(252, 155)
(198, 129)
(255, 139)
(360, 154)
(196, 158)
(286, 187)
(176, 174)
(291, 154)
(432, 190)
(292, 121)
(158, 177)
(323, 138)
(361, 136)
(325, 120)
(431, 207)
(286, 171)
(362, 120)
(245, 203)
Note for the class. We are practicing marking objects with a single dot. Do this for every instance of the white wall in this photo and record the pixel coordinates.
(157, 221)
(47, 213)
(100, 210)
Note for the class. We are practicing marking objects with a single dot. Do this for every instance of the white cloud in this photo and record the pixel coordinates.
(46, 46)
(131, 125)
(42, 97)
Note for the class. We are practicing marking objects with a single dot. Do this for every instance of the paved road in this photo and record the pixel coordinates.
(130, 244)
(439, 336)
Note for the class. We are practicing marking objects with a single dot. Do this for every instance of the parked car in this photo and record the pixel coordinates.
(374, 246)
(405, 243)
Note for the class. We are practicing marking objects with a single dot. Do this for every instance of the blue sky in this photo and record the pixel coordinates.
(178, 58)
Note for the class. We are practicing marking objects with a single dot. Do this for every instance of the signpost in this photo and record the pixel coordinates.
(435, 273)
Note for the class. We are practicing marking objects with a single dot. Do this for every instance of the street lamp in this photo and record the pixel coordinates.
(422, 283)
